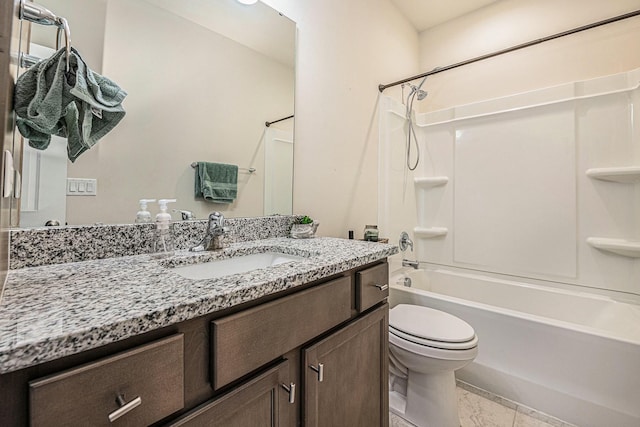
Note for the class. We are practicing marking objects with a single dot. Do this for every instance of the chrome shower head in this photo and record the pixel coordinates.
(417, 91)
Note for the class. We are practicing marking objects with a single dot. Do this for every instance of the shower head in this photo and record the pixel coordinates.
(417, 91)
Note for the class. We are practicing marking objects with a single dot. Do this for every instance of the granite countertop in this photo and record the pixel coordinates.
(53, 311)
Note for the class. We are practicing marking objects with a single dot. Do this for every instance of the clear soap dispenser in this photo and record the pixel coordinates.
(143, 215)
(163, 244)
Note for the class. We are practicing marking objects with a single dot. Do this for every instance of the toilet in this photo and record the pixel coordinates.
(426, 346)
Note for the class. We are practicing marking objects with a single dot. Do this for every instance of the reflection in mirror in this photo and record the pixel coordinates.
(203, 77)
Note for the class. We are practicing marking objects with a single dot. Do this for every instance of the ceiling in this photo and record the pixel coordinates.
(424, 14)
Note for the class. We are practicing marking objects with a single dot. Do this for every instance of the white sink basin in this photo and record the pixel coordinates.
(239, 264)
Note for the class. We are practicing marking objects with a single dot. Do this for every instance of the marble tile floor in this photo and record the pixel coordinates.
(478, 408)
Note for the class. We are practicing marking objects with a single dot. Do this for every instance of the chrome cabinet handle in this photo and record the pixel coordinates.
(291, 389)
(382, 287)
(124, 407)
(319, 370)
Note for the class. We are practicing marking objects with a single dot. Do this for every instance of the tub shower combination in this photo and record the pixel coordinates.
(525, 217)
(570, 354)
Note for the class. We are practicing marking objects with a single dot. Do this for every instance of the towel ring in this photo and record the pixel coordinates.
(63, 25)
(33, 12)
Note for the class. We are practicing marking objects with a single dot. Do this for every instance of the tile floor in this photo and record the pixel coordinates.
(478, 408)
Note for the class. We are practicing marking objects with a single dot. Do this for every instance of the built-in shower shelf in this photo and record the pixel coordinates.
(430, 181)
(430, 232)
(625, 174)
(628, 248)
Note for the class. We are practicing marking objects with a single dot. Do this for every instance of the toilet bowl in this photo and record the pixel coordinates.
(426, 346)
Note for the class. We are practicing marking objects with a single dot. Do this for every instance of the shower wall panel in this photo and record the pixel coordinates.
(543, 184)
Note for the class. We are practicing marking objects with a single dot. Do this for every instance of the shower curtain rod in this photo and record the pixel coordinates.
(437, 70)
(267, 124)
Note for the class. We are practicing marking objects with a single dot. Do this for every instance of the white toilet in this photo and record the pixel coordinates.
(426, 346)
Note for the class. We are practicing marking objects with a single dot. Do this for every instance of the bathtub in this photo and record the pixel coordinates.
(572, 355)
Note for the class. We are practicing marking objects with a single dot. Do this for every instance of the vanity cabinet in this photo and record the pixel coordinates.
(139, 386)
(249, 339)
(346, 375)
(315, 355)
(264, 401)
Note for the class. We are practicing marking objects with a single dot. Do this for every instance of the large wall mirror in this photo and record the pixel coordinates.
(203, 77)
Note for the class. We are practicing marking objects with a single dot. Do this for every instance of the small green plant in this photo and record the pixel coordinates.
(306, 220)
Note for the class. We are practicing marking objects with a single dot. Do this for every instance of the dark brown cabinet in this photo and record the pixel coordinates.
(345, 375)
(264, 401)
(311, 356)
(132, 388)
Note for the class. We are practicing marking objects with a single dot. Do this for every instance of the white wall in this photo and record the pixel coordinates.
(597, 52)
(345, 49)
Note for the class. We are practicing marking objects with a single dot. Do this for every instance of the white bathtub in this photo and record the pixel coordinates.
(572, 355)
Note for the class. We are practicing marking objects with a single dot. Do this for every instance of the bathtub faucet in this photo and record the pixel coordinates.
(407, 263)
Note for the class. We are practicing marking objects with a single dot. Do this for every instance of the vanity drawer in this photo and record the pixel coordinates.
(247, 340)
(372, 286)
(150, 378)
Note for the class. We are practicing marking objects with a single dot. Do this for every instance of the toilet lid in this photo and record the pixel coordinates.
(430, 324)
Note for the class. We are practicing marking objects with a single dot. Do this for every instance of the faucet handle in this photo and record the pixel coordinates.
(405, 242)
(186, 215)
(216, 218)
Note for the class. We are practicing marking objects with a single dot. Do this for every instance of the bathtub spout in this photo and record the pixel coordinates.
(408, 263)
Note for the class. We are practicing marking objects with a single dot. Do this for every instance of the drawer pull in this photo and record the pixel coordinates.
(291, 389)
(124, 407)
(319, 370)
(382, 287)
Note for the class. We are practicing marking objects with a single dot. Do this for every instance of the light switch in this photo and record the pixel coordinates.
(82, 187)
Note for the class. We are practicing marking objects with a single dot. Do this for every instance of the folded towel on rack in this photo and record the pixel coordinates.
(79, 105)
(216, 182)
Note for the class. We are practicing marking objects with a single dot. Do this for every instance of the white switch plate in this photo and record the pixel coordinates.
(82, 187)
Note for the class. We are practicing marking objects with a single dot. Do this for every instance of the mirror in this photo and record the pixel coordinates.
(202, 77)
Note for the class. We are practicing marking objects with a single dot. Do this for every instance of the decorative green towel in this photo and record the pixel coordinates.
(79, 105)
(216, 182)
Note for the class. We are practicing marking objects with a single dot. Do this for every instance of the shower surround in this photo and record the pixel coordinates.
(542, 186)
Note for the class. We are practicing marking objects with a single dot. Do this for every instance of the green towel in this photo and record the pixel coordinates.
(80, 105)
(216, 182)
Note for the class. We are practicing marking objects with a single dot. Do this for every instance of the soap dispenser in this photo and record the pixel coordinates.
(163, 244)
(144, 216)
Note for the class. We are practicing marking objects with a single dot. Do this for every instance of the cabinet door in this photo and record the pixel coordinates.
(264, 401)
(346, 375)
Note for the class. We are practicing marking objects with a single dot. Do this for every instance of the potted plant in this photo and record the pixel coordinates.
(305, 228)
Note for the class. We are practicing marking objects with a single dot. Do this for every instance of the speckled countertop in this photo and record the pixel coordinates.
(53, 311)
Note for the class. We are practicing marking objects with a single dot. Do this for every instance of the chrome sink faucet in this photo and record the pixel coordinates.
(212, 239)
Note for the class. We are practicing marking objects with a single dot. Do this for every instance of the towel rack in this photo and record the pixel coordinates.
(37, 14)
(250, 170)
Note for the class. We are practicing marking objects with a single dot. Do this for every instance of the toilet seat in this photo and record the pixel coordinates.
(444, 345)
(423, 330)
